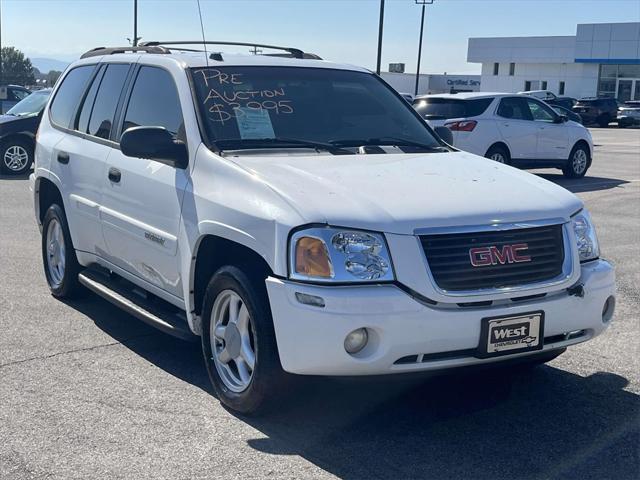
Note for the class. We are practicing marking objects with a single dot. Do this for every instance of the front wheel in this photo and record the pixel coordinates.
(16, 157)
(578, 163)
(238, 342)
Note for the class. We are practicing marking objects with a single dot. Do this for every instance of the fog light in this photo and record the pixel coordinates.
(356, 341)
(608, 308)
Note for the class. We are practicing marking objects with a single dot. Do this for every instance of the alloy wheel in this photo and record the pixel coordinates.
(16, 158)
(579, 162)
(55, 253)
(232, 341)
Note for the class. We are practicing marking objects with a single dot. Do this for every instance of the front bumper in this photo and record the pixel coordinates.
(311, 339)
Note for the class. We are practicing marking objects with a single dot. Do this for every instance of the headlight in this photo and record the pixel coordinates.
(586, 238)
(339, 255)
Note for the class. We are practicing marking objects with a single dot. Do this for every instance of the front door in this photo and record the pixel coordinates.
(553, 138)
(142, 198)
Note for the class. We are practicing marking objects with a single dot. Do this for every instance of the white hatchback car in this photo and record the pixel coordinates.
(519, 130)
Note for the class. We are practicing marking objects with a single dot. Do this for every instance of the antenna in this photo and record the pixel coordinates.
(204, 41)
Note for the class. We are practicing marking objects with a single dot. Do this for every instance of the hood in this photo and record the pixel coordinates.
(399, 193)
(8, 118)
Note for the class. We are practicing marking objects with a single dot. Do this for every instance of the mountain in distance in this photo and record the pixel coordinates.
(45, 65)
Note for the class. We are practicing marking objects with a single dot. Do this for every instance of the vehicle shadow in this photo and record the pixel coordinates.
(585, 184)
(24, 176)
(545, 423)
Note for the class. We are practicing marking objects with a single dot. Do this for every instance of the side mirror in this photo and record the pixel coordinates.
(561, 119)
(154, 143)
(445, 134)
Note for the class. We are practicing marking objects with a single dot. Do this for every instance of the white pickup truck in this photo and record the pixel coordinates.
(296, 215)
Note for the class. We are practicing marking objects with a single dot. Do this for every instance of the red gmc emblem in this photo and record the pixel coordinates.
(484, 256)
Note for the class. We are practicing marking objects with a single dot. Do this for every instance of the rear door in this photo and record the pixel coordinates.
(141, 205)
(517, 127)
(75, 161)
(553, 138)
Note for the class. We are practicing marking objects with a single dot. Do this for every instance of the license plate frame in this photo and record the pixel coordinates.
(530, 339)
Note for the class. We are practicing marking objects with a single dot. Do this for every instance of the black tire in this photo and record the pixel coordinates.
(67, 286)
(498, 151)
(576, 168)
(603, 121)
(267, 377)
(19, 146)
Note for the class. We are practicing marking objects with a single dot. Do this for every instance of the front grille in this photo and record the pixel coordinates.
(448, 256)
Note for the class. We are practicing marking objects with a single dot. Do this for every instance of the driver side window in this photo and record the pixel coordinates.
(540, 112)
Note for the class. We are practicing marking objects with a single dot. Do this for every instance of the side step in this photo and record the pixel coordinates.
(148, 308)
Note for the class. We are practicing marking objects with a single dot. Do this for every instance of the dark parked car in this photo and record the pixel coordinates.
(10, 95)
(601, 111)
(571, 115)
(629, 114)
(18, 130)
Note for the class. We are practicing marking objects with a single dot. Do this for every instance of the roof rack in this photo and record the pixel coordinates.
(98, 51)
(294, 52)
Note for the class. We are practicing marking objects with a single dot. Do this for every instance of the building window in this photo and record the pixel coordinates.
(527, 86)
(561, 88)
(496, 68)
(512, 69)
(543, 85)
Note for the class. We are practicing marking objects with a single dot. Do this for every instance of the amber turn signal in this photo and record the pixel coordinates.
(312, 258)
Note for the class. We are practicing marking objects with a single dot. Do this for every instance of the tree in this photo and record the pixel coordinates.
(52, 77)
(16, 68)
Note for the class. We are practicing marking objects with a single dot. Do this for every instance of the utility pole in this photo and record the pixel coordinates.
(380, 24)
(424, 3)
(135, 23)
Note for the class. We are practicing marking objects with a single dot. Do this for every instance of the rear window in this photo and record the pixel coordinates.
(68, 95)
(438, 108)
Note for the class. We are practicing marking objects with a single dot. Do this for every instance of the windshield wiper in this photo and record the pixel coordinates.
(275, 142)
(388, 141)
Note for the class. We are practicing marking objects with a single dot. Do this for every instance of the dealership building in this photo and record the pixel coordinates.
(432, 83)
(602, 59)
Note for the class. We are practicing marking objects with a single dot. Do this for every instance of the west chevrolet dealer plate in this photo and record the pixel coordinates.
(512, 334)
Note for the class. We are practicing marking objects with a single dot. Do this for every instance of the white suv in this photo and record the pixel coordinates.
(518, 130)
(299, 216)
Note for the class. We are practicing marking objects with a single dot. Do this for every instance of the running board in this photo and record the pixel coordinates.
(112, 288)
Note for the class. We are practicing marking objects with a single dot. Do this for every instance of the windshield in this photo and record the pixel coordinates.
(438, 108)
(31, 105)
(255, 107)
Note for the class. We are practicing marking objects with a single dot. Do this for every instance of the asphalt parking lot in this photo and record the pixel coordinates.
(86, 391)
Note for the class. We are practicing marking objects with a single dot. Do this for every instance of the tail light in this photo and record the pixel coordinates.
(462, 126)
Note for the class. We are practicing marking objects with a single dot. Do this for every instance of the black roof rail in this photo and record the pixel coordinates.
(98, 51)
(295, 52)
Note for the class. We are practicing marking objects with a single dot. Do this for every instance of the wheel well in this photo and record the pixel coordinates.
(48, 194)
(501, 145)
(583, 143)
(18, 136)
(215, 252)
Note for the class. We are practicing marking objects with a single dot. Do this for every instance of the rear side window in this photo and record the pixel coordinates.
(154, 102)
(515, 108)
(68, 95)
(106, 100)
(435, 108)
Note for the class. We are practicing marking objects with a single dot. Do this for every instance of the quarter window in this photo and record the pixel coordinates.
(154, 102)
(106, 101)
(67, 97)
(82, 125)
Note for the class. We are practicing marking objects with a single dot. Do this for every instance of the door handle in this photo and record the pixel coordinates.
(114, 175)
(63, 157)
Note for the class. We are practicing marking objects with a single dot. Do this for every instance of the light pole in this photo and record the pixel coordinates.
(135, 23)
(380, 23)
(424, 3)
(0, 42)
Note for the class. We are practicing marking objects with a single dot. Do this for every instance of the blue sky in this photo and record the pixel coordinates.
(340, 30)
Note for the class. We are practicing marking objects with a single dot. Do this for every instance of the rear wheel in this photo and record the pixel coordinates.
(61, 266)
(16, 157)
(498, 154)
(579, 161)
(238, 342)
